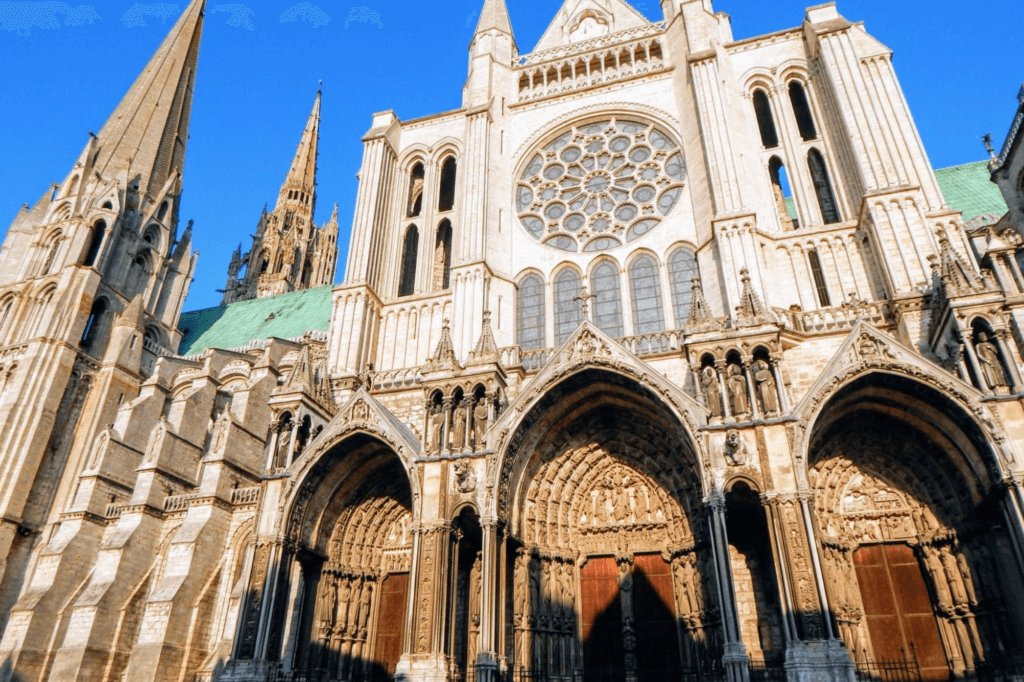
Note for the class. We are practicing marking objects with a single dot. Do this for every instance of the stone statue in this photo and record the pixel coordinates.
(938, 575)
(767, 393)
(626, 589)
(282, 445)
(328, 600)
(364, 607)
(953, 577)
(459, 426)
(344, 598)
(737, 384)
(712, 391)
(693, 580)
(480, 414)
(991, 365)
(520, 589)
(735, 450)
(436, 428)
(965, 571)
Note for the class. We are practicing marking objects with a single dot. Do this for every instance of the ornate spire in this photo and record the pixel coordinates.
(700, 318)
(751, 311)
(302, 175)
(444, 357)
(148, 131)
(486, 348)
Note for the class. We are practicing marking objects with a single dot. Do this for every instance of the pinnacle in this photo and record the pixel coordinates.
(494, 15)
(302, 174)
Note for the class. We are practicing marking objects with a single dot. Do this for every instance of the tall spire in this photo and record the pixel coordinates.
(302, 175)
(494, 15)
(147, 133)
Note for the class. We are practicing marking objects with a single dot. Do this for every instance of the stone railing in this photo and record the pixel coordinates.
(177, 503)
(113, 510)
(836, 319)
(591, 69)
(529, 360)
(577, 49)
(397, 378)
(244, 496)
(658, 343)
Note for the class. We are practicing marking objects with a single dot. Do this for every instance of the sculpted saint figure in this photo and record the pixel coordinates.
(737, 384)
(938, 575)
(766, 391)
(712, 392)
(459, 426)
(965, 571)
(953, 577)
(344, 597)
(991, 365)
(479, 425)
(436, 428)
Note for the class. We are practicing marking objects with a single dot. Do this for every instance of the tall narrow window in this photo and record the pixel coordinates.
(765, 121)
(645, 295)
(446, 197)
(415, 191)
(782, 193)
(5, 317)
(567, 311)
(682, 268)
(51, 256)
(95, 242)
(443, 256)
(93, 323)
(604, 282)
(819, 279)
(530, 313)
(307, 273)
(407, 279)
(162, 212)
(802, 111)
(823, 188)
(264, 262)
(135, 282)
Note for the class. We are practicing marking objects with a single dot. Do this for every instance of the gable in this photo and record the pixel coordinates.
(579, 20)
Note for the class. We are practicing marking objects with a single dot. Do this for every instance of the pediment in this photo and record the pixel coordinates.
(579, 20)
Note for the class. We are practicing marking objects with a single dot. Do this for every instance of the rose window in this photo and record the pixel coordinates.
(598, 185)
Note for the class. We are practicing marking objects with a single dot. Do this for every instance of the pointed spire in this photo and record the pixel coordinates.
(751, 311)
(486, 348)
(494, 16)
(444, 357)
(302, 175)
(700, 318)
(148, 131)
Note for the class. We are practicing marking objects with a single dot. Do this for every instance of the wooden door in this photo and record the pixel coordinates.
(898, 609)
(387, 646)
(653, 605)
(602, 621)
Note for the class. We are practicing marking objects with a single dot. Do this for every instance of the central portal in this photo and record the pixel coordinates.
(609, 579)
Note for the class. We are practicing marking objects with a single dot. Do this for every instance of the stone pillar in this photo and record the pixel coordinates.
(720, 368)
(776, 361)
(291, 442)
(972, 361)
(770, 503)
(275, 430)
(819, 577)
(735, 660)
(446, 405)
(1013, 508)
(755, 412)
(486, 658)
(1008, 359)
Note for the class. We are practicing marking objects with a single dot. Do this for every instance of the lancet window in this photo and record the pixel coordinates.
(782, 193)
(823, 188)
(802, 111)
(415, 203)
(645, 296)
(567, 311)
(820, 285)
(407, 279)
(446, 191)
(95, 242)
(530, 313)
(604, 282)
(765, 120)
(682, 268)
(443, 256)
(94, 323)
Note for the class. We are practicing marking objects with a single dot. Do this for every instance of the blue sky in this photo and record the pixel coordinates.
(960, 64)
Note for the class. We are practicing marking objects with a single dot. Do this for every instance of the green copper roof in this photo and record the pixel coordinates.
(230, 326)
(969, 189)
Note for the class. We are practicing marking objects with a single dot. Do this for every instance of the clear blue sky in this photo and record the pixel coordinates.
(960, 64)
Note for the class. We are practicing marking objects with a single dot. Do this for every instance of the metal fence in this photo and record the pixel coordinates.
(906, 669)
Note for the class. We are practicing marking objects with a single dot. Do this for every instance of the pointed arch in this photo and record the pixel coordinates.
(567, 311)
(415, 202)
(682, 269)
(802, 111)
(823, 188)
(645, 295)
(765, 119)
(443, 256)
(607, 290)
(783, 194)
(95, 323)
(410, 248)
(446, 188)
(530, 318)
(98, 231)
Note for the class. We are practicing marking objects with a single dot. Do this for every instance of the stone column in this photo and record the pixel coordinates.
(275, 430)
(780, 387)
(720, 368)
(1013, 508)
(486, 657)
(291, 442)
(735, 660)
(770, 503)
(446, 405)
(755, 413)
(819, 577)
(1008, 359)
(972, 361)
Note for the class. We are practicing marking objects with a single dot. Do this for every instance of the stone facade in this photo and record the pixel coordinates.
(663, 357)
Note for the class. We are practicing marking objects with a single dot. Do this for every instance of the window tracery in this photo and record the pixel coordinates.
(598, 185)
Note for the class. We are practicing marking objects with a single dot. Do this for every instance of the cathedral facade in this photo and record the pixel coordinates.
(666, 356)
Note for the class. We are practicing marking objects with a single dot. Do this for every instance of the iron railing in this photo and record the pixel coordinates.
(906, 669)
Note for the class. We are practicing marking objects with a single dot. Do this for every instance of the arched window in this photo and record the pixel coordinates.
(94, 323)
(530, 313)
(820, 285)
(407, 280)
(307, 272)
(802, 111)
(567, 311)
(682, 268)
(645, 296)
(135, 282)
(415, 191)
(443, 256)
(782, 193)
(152, 236)
(604, 282)
(95, 242)
(5, 316)
(446, 196)
(51, 256)
(264, 262)
(823, 188)
(279, 264)
(162, 212)
(765, 121)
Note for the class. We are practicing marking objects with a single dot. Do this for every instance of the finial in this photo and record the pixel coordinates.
(321, 82)
(986, 140)
(584, 297)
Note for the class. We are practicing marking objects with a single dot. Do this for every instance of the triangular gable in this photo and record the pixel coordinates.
(867, 347)
(362, 412)
(590, 347)
(579, 20)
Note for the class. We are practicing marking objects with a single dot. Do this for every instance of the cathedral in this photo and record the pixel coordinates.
(666, 356)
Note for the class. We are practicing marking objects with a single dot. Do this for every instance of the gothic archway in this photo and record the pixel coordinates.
(610, 574)
(917, 555)
(338, 610)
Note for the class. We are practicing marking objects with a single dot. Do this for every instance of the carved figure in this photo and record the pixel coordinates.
(953, 577)
(436, 428)
(737, 384)
(459, 426)
(364, 607)
(935, 570)
(521, 587)
(479, 424)
(991, 365)
(767, 393)
(282, 445)
(626, 590)
(712, 391)
(735, 449)
(465, 477)
(693, 580)
(965, 571)
(344, 599)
